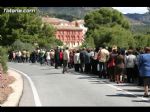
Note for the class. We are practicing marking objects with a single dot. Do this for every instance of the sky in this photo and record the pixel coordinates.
(126, 10)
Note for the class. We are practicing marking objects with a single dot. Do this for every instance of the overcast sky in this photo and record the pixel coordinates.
(126, 10)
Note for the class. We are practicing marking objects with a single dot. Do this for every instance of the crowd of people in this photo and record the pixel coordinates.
(116, 64)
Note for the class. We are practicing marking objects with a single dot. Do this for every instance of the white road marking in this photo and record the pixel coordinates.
(35, 93)
(110, 85)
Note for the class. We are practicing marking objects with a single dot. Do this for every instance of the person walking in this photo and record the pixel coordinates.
(103, 57)
(41, 54)
(130, 62)
(77, 61)
(119, 68)
(82, 59)
(87, 61)
(61, 57)
(52, 53)
(144, 69)
(95, 61)
(71, 61)
(24, 56)
(65, 60)
(111, 64)
(19, 57)
(48, 58)
(27, 56)
(56, 57)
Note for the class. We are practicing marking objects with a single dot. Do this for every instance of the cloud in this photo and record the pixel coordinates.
(126, 10)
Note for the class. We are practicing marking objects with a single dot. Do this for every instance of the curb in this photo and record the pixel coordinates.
(17, 86)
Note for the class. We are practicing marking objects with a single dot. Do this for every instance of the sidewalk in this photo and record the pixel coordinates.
(17, 86)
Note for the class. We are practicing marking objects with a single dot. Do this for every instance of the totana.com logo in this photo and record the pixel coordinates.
(19, 10)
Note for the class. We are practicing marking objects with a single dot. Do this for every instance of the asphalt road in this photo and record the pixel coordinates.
(75, 89)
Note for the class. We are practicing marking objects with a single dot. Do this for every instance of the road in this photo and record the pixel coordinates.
(75, 89)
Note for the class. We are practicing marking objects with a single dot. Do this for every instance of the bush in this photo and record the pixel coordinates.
(3, 59)
(28, 46)
(18, 45)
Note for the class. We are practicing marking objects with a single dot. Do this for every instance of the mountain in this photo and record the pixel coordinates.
(76, 12)
(143, 18)
(139, 22)
(70, 13)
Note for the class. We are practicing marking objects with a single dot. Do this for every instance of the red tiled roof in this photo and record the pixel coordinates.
(68, 28)
(53, 20)
(78, 21)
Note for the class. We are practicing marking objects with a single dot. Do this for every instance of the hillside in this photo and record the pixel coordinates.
(139, 22)
(143, 18)
(74, 12)
(71, 13)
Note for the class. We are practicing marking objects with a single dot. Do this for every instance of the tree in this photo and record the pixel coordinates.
(108, 27)
(27, 27)
(142, 40)
(3, 59)
(88, 43)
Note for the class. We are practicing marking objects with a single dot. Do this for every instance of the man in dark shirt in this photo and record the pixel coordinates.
(82, 59)
(56, 56)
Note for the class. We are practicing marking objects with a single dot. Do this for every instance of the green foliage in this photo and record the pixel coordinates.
(3, 59)
(113, 36)
(88, 43)
(26, 27)
(50, 43)
(105, 16)
(143, 29)
(67, 13)
(108, 27)
(19, 45)
(142, 40)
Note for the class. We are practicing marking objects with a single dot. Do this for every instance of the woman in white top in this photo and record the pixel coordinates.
(130, 62)
(77, 61)
(48, 58)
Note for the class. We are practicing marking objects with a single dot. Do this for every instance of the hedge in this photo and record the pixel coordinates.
(3, 59)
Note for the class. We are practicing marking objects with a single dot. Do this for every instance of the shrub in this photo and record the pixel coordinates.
(3, 59)
(18, 45)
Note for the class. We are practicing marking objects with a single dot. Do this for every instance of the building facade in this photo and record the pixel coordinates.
(72, 34)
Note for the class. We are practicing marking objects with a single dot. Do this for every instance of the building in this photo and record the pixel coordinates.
(70, 33)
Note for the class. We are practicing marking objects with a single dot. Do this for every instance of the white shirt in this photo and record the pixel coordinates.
(48, 55)
(104, 55)
(130, 61)
(66, 55)
(76, 58)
